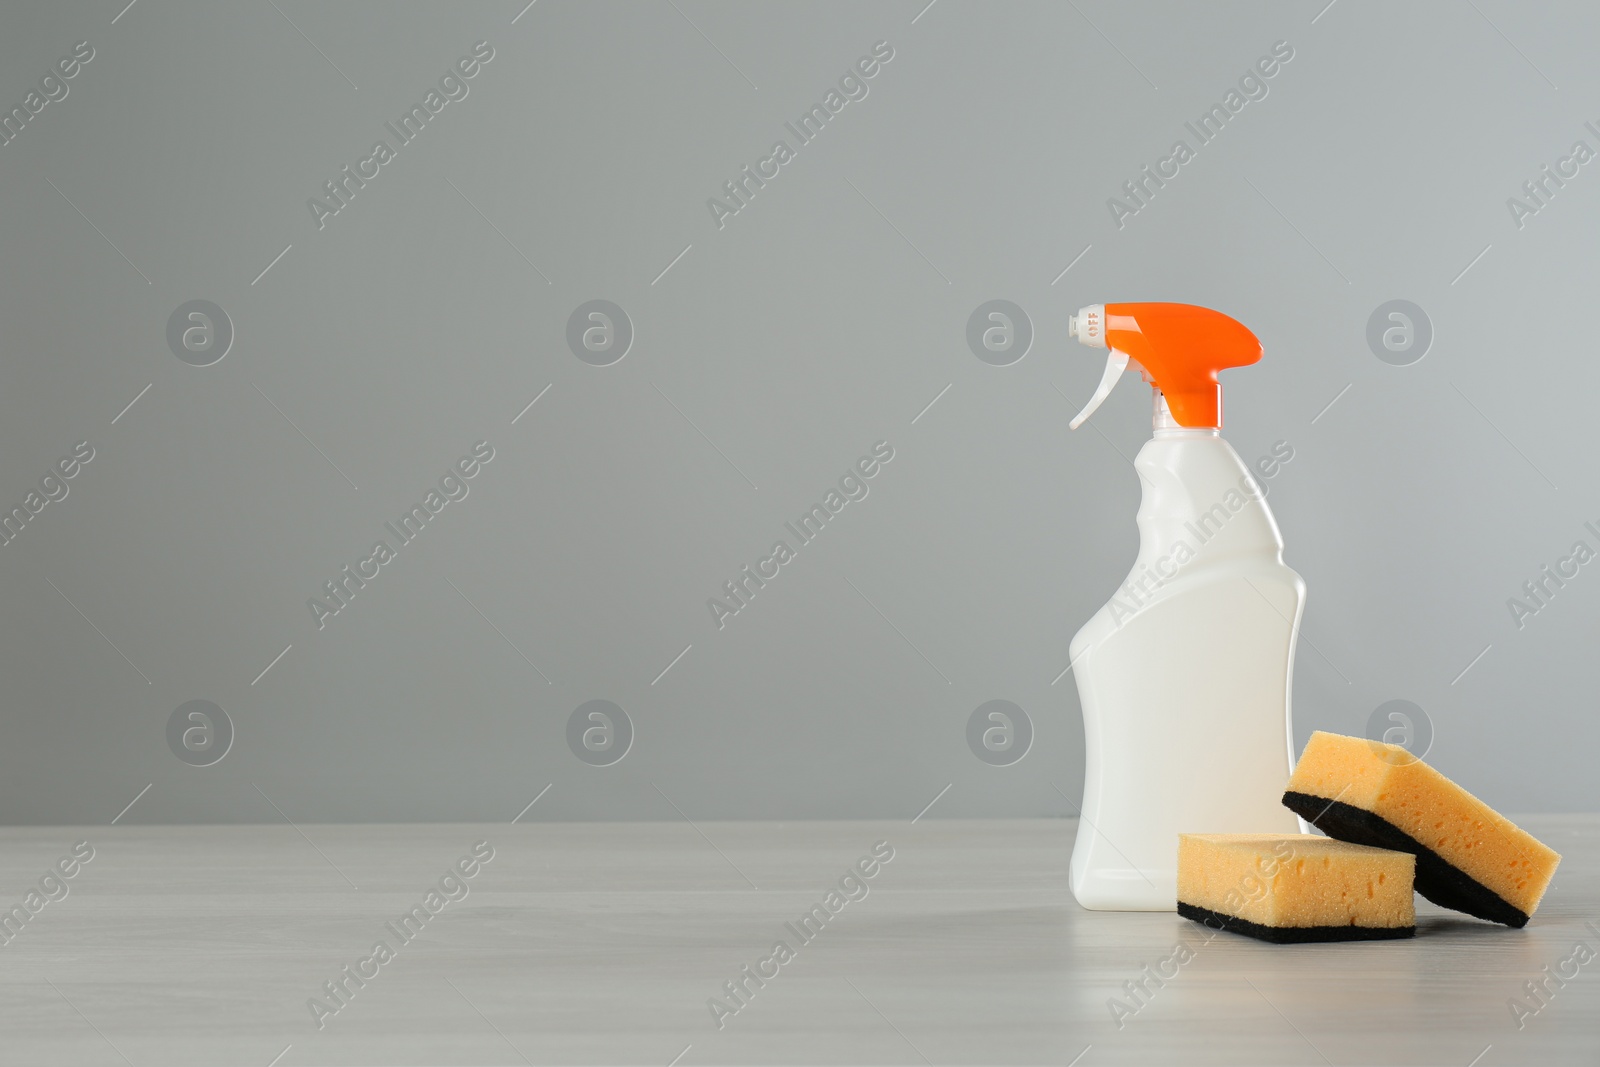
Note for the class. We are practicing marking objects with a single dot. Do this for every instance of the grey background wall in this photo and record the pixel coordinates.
(371, 352)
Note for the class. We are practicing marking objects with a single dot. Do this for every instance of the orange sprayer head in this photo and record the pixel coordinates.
(1179, 348)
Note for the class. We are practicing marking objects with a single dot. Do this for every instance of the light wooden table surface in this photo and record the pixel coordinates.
(602, 943)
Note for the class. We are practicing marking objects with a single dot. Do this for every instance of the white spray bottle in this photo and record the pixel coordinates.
(1185, 675)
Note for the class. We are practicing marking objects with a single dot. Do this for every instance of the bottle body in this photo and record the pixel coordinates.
(1185, 678)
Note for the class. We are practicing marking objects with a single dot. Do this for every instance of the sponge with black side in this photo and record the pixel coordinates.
(1295, 887)
(1469, 857)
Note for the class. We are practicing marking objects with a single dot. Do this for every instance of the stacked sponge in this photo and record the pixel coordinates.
(1397, 824)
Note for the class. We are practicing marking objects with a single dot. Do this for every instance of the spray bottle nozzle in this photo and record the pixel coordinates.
(1178, 348)
(1089, 325)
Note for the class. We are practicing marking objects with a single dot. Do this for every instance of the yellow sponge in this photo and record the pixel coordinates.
(1469, 857)
(1295, 887)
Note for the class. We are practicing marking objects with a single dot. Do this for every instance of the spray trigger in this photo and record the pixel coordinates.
(1116, 363)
